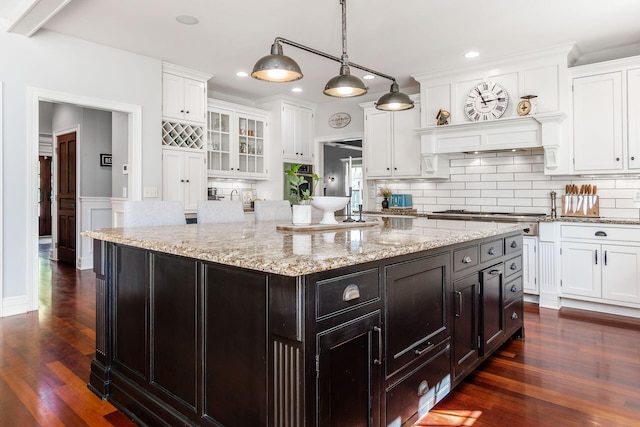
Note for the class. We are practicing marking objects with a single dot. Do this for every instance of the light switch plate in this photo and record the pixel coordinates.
(125, 169)
(150, 192)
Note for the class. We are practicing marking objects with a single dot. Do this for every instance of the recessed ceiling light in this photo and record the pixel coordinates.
(296, 89)
(471, 54)
(242, 74)
(368, 77)
(187, 19)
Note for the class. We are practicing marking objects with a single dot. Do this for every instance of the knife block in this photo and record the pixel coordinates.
(572, 206)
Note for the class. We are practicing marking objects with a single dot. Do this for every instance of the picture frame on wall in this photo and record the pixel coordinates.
(106, 160)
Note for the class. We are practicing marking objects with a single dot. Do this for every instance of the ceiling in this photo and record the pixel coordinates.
(398, 38)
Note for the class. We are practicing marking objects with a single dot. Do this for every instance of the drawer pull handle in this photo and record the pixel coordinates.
(492, 251)
(466, 259)
(513, 266)
(423, 388)
(459, 308)
(378, 360)
(601, 234)
(424, 350)
(350, 293)
(514, 315)
(513, 288)
(514, 244)
(494, 272)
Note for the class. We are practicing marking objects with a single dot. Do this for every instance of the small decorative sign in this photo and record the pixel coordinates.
(339, 120)
(106, 160)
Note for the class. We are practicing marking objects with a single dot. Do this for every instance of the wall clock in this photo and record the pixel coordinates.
(486, 101)
(339, 120)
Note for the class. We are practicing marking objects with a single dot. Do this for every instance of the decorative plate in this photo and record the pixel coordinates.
(339, 120)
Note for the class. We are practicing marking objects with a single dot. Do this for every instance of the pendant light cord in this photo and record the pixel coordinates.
(345, 58)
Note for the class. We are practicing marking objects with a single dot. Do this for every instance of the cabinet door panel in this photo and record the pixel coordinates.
(172, 96)
(633, 118)
(377, 144)
(529, 265)
(304, 133)
(581, 269)
(465, 324)
(406, 143)
(417, 298)
(196, 180)
(348, 378)
(597, 131)
(621, 273)
(491, 298)
(289, 131)
(194, 100)
(172, 175)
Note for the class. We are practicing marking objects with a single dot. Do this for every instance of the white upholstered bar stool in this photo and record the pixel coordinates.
(148, 213)
(210, 211)
(272, 210)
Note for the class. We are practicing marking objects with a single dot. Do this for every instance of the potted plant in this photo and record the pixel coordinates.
(386, 193)
(300, 194)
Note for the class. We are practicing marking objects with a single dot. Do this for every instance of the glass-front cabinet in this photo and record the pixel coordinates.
(236, 142)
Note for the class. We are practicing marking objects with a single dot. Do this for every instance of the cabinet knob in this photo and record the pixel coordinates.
(492, 250)
(423, 388)
(514, 315)
(513, 288)
(617, 159)
(182, 180)
(514, 244)
(187, 180)
(633, 157)
(395, 169)
(187, 111)
(513, 266)
(182, 111)
(466, 259)
(388, 168)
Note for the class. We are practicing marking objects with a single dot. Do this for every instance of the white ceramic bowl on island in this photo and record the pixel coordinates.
(329, 205)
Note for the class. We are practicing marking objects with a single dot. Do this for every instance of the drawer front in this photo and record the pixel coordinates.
(513, 315)
(512, 266)
(465, 258)
(512, 244)
(512, 290)
(417, 393)
(343, 293)
(491, 250)
(604, 233)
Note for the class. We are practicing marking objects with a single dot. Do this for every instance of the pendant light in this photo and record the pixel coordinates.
(344, 85)
(276, 67)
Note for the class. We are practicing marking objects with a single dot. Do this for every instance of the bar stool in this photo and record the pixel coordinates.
(210, 211)
(272, 210)
(148, 213)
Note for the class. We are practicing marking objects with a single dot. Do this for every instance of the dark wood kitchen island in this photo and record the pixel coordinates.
(244, 325)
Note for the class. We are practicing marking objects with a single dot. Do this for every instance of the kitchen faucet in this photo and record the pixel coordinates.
(236, 191)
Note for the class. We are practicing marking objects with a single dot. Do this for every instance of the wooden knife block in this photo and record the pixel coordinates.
(593, 211)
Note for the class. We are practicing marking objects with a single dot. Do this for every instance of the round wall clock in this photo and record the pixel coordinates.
(339, 120)
(486, 101)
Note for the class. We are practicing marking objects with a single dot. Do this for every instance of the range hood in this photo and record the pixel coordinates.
(540, 130)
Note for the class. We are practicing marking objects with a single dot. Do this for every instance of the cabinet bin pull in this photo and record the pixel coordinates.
(423, 388)
(351, 292)
(601, 234)
(378, 360)
(424, 350)
(494, 272)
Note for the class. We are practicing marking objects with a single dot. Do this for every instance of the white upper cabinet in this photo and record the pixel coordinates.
(297, 133)
(391, 146)
(184, 94)
(606, 117)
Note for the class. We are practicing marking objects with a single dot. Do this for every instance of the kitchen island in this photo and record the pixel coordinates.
(242, 324)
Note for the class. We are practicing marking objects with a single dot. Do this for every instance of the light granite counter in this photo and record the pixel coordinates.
(261, 247)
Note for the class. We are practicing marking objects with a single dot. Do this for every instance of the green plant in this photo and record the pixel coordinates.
(297, 193)
(385, 191)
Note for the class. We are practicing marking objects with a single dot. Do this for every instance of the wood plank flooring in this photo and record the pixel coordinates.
(574, 368)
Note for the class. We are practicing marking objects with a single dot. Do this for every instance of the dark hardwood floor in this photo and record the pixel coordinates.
(574, 368)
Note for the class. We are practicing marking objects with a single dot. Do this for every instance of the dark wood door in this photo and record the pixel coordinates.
(66, 244)
(417, 294)
(465, 324)
(492, 326)
(44, 204)
(348, 376)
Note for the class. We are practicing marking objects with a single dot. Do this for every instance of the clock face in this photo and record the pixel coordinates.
(524, 107)
(486, 101)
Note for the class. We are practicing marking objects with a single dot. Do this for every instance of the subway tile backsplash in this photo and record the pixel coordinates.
(511, 182)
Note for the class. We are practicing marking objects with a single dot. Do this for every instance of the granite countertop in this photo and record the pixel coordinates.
(292, 253)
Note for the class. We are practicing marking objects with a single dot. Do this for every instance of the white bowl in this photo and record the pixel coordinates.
(328, 205)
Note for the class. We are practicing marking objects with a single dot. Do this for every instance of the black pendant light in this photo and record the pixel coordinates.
(276, 67)
(344, 85)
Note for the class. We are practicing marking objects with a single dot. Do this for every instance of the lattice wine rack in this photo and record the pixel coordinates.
(182, 135)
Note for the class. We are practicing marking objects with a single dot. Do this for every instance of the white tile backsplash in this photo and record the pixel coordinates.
(511, 182)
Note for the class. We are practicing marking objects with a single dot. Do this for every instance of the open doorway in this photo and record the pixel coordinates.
(342, 169)
(133, 120)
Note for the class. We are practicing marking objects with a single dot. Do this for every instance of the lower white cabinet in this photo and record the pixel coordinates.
(601, 264)
(530, 265)
(184, 177)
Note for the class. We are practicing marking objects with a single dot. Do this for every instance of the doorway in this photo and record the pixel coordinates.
(66, 198)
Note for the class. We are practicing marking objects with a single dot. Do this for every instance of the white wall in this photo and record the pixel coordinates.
(55, 62)
(510, 182)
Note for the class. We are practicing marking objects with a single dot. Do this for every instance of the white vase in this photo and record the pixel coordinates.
(301, 214)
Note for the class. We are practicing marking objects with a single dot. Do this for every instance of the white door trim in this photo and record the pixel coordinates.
(1, 197)
(34, 96)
